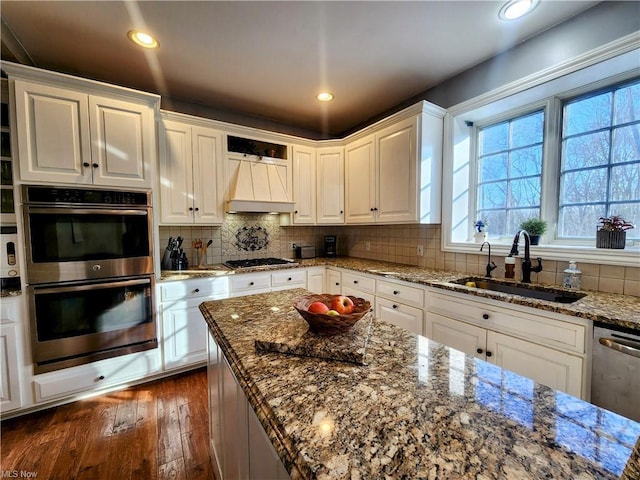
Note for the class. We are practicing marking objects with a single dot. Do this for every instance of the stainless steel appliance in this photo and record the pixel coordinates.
(330, 247)
(89, 267)
(9, 265)
(615, 378)
(305, 251)
(83, 322)
(258, 262)
(80, 234)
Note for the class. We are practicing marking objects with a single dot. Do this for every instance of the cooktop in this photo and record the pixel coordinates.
(258, 262)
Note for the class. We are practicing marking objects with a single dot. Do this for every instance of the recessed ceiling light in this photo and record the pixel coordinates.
(143, 39)
(325, 96)
(516, 8)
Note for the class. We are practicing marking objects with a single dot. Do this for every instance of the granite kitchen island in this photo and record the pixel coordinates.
(415, 409)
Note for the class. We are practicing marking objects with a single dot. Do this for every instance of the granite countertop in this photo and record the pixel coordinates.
(612, 309)
(418, 409)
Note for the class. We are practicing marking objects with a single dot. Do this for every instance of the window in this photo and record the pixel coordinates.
(600, 172)
(579, 159)
(509, 172)
(599, 167)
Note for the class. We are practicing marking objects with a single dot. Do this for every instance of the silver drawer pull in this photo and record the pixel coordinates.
(622, 346)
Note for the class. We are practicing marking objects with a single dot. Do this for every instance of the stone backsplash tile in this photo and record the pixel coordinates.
(391, 243)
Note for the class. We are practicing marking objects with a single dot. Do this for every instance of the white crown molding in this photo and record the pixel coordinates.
(24, 72)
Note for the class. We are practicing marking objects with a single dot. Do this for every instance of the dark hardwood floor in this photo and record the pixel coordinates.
(158, 430)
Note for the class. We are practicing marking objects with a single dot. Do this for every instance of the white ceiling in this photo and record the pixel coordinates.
(269, 59)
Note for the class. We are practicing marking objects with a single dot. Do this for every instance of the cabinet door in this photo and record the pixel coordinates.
(316, 280)
(208, 180)
(264, 462)
(10, 397)
(123, 142)
(53, 134)
(184, 335)
(399, 314)
(550, 367)
(397, 195)
(467, 338)
(304, 185)
(334, 282)
(250, 284)
(234, 426)
(214, 379)
(176, 173)
(360, 181)
(330, 185)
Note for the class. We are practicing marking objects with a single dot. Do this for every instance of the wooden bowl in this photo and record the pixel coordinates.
(330, 324)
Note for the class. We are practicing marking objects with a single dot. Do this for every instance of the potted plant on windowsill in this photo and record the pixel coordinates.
(480, 235)
(535, 227)
(612, 232)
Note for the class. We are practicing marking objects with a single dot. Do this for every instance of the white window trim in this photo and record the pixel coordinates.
(618, 58)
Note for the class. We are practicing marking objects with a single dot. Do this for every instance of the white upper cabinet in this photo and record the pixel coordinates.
(191, 176)
(360, 181)
(67, 135)
(330, 185)
(304, 185)
(393, 174)
(396, 173)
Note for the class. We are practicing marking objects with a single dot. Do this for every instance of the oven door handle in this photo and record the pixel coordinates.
(89, 211)
(92, 286)
(623, 346)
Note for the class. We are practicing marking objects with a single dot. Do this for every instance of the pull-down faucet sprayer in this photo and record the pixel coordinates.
(526, 261)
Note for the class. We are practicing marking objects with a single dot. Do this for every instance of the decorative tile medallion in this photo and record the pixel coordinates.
(250, 235)
(252, 238)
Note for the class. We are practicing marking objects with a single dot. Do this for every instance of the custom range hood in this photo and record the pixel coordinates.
(258, 186)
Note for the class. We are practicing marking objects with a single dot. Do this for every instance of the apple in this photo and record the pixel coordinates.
(342, 304)
(318, 307)
(333, 313)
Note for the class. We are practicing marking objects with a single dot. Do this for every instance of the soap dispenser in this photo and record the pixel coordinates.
(572, 278)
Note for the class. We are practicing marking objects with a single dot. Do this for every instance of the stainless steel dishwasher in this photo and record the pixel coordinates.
(615, 377)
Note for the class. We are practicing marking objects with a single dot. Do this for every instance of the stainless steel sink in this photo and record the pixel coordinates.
(531, 291)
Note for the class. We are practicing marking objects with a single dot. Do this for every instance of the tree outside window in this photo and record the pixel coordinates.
(509, 172)
(600, 160)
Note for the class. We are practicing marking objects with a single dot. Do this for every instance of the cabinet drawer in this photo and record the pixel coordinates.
(248, 282)
(400, 314)
(358, 282)
(400, 292)
(530, 324)
(289, 279)
(96, 376)
(214, 288)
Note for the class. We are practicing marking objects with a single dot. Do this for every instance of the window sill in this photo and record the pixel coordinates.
(628, 257)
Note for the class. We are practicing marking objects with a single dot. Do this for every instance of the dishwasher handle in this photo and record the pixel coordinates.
(623, 346)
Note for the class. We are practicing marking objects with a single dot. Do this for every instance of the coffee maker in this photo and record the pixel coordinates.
(330, 246)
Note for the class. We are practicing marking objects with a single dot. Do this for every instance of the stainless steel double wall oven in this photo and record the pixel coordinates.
(89, 267)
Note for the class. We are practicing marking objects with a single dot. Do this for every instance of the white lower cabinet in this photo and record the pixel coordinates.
(238, 441)
(10, 397)
(401, 304)
(558, 370)
(250, 284)
(184, 332)
(537, 345)
(96, 376)
(288, 279)
(401, 315)
(333, 283)
(316, 279)
(361, 286)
